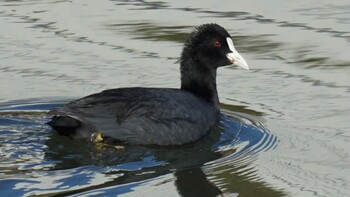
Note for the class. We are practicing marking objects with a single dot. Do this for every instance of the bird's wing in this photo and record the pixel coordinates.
(144, 116)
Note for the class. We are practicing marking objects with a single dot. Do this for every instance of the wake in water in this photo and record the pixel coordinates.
(37, 161)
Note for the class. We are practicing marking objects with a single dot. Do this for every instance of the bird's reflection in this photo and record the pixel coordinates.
(139, 163)
(135, 162)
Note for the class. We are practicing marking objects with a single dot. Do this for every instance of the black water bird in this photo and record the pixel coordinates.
(157, 116)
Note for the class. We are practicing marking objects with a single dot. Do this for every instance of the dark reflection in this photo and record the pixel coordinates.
(154, 32)
(305, 56)
(29, 2)
(258, 44)
(240, 108)
(262, 19)
(51, 27)
(193, 182)
(231, 14)
(143, 5)
(135, 164)
(233, 181)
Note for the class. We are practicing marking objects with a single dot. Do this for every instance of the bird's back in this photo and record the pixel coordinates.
(141, 115)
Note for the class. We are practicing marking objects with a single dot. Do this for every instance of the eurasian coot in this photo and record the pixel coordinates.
(157, 116)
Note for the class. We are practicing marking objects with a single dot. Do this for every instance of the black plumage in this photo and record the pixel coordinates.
(156, 116)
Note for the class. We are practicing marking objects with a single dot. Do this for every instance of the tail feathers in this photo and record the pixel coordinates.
(65, 125)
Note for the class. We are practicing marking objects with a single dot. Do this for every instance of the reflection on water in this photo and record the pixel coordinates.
(148, 31)
(298, 88)
(76, 166)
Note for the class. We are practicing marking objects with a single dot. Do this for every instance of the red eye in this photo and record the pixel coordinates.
(217, 44)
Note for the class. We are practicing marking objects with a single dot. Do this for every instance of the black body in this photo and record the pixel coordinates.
(156, 116)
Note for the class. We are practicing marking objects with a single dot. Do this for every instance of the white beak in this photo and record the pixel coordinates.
(234, 57)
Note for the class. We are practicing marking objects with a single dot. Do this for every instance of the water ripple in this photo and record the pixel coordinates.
(46, 163)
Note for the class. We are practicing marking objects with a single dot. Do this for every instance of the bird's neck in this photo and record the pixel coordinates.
(200, 81)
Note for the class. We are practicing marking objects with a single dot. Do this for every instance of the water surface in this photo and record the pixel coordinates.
(284, 129)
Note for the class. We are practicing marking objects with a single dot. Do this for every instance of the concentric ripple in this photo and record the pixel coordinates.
(244, 134)
(36, 161)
